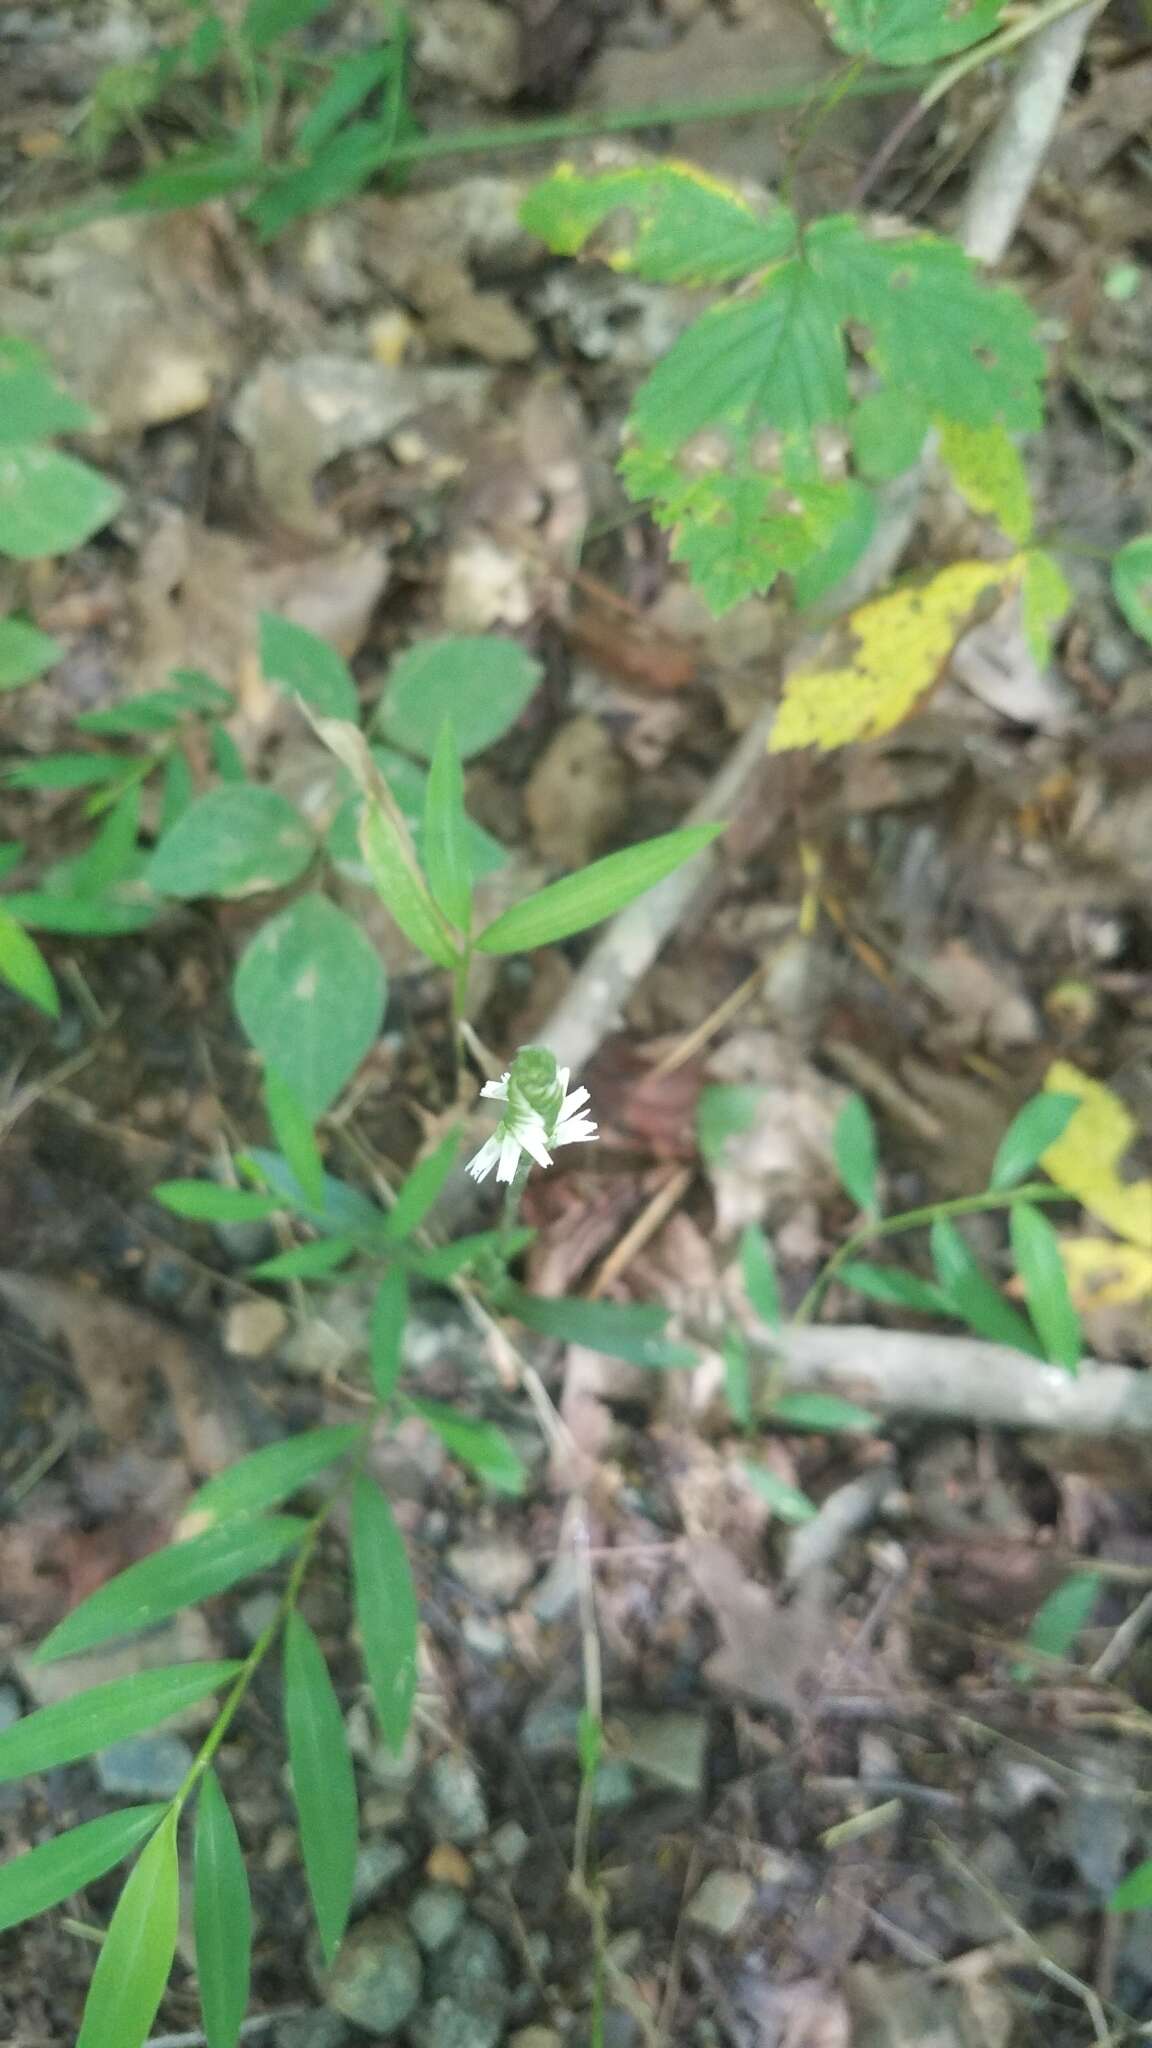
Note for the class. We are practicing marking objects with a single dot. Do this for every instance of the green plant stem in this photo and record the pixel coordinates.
(918, 1219)
(512, 1200)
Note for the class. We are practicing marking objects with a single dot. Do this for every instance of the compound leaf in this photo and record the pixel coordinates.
(72, 1728)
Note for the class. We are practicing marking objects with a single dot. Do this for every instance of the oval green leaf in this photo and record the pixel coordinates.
(323, 1781)
(72, 1728)
(386, 1609)
(237, 840)
(595, 893)
(1036, 1249)
(480, 682)
(1043, 1120)
(310, 993)
(25, 652)
(296, 661)
(170, 1579)
(223, 1918)
(50, 503)
(42, 1877)
(267, 1477)
(135, 1959)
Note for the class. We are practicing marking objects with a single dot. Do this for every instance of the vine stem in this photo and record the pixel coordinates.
(918, 1219)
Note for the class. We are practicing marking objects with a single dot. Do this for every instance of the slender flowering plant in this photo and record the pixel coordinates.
(540, 1114)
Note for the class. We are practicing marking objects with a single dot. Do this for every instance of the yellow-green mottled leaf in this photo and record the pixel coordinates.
(673, 222)
(1045, 595)
(987, 470)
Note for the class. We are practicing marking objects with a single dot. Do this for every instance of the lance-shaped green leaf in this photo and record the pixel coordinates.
(201, 1201)
(387, 846)
(758, 1268)
(1043, 1119)
(271, 1475)
(854, 1143)
(170, 1579)
(223, 1918)
(971, 1295)
(316, 1261)
(895, 1287)
(1036, 1248)
(386, 1609)
(43, 1877)
(295, 1133)
(446, 832)
(25, 652)
(68, 1729)
(386, 1332)
(135, 1959)
(820, 1411)
(323, 1781)
(479, 1445)
(596, 892)
(630, 1330)
(24, 968)
(421, 1190)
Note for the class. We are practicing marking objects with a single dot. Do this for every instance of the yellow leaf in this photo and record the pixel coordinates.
(987, 470)
(1045, 596)
(902, 641)
(1086, 1158)
(1105, 1274)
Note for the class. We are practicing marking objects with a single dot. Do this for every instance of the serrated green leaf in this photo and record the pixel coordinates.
(842, 550)
(50, 503)
(294, 1132)
(854, 1145)
(825, 1412)
(971, 1295)
(888, 430)
(1134, 1895)
(386, 1332)
(1045, 596)
(72, 1728)
(222, 1908)
(234, 841)
(307, 1261)
(386, 1609)
(446, 833)
(323, 1781)
(25, 652)
(987, 471)
(310, 992)
(894, 1287)
(1132, 584)
(480, 682)
(422, 1189)
(758, 1268)
(595, 893)
(724, 1110)
(903, 32)
(787, 1502)
(1043, 1119)
(136, 1955)
(44, 1877)
(24, 968)
(266, 1477)
(305, 666)
(1036, 1250)
(479, 1445)
(630, 1330)
(201, 1201)
(672, 223)
(737, 1378)
(170, 1580)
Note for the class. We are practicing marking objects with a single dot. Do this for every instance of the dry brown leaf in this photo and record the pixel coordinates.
(769, 1656)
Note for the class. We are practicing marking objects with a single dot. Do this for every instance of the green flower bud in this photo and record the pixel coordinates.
(534, 1084)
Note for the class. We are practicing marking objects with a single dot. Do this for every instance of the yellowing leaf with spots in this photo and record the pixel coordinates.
(1046, 596)
(1086, 1159)
(901, 644)
(669, 222)
(1103, 1273)
(987, 470)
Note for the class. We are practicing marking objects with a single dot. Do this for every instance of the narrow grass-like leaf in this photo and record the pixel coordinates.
(446, 832)
(323, 1781)
(479, 1445)
(446, 1260)
(595, 893)
(1043, 1120)
(42, 1877)
(825, 1412)
(628, 1330)
(1036, 1249)
(265, 1478)
(787, 1502)
(401, 887)
(894, 1287)
(854, 1143)
(386, 1609)
(201, 1201)
(971, 1295)
(758, 1268)
(170, 1579)
(223, 1917)
(307, 1261)
(135, 1959)
(422, 1189)
(1134, 1895)
(72, 1728)
(386, 1332)
(295, 1134)
(24, 968)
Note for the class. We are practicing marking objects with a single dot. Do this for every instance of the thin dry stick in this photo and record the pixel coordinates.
(1004, 176)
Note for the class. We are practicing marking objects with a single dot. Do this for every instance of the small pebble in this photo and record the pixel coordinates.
(377, 1978)
(436, 1914)
(448, 1865)
(452, 1801)
(479, 2024)
(509, 1844)
(312, 2030)
(723, 1902)
(378, 1864)
(254, 1327)
(484, 1638)
(144, 1767)
(474, 1958)
(493, 1571)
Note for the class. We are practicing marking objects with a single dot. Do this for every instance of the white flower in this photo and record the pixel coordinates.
(540, 1112)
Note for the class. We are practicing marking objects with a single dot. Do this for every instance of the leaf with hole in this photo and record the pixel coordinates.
(387, 1610)
(1036, 1250)
(25, 652)
(136, 1954)
(45, 1877)
(323, 1782)
(480, 682)
(310, 992)
(235, 841)
(854, 1144)
(306, 667)
(171, 1579)
(222, 1915)
(597, 892)
(50, 503)
(104, 1714)
(266, 1477)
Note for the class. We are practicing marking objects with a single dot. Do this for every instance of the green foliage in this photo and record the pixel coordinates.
(737, 1378)
(1036, 1250)
(725, 1109)
(825, 1412)
(908, 31)
(971, 1295)
(72, 1728)
(25, 652)
(1060, 1618)
(238, 840)
(136, 1955)
(43, 1877)
(1132, 584)
(854, 1144)
(399, 881)
(269, 1476)
(386, 1609)
(386, 1334)
(49, 502)
(595, 893)
(222, 1910)
(895, 1288)
(479, 684)
(310, 991)
(422, 1190)
(1043, 1119)
(479, 1445)
(672, 223)
(632, 1331)
(446, 833)
(296, 661)
(1134, 1895)
(758, 1268)
(787, 1502)
(294, 1132)
(323, 1781)
(24, 968)
(201, 1202)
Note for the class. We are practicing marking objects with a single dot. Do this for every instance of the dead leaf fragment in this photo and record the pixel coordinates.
(577, 794)
(1086, 1159)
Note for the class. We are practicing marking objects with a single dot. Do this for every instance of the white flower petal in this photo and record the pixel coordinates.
(496, 1091)
(533, 1143)
(575, 1130)
(482, 1162)
(578, 1097)
(509, 1155)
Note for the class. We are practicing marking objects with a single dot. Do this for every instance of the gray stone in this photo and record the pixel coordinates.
(312, 2030)
(144, 1766)
(396, 1772)
(495, 1571)
(723, 1902)
(246, 1240)
(615, 1786)
(378, 1864)
(377, 1978)
(484, 1638)
(551, 1728)
(474, 1959)
(435, 1915)
(479, 2024)
(10, 1708)
(671, 1748)
(254, 1614)
(452, 1801)
(510, 1844)
(535, 2037)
